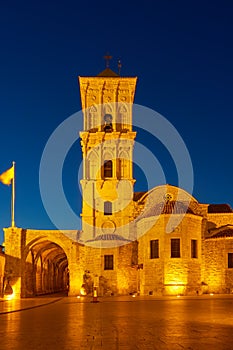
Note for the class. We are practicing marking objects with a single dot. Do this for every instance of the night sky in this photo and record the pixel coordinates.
(182, 54)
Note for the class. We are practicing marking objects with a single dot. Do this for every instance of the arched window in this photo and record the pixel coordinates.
(92, 118)
(123, 164)
(123, 114)
(107, 208)
(92, 166)
(107, 108)
(107, 168)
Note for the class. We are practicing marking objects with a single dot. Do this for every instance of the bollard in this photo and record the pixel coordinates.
(95, 300)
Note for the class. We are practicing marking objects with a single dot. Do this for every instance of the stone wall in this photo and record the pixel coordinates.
(133, 270)
(166, 275)
(32, 274)
(219, 219)
(122, 279)
(13, 271)
(218, 277)
(22, 248)
(2, 268)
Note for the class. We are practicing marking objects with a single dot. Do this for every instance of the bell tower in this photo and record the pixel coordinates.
(107, 145)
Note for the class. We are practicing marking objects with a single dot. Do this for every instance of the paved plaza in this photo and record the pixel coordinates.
(58, 322)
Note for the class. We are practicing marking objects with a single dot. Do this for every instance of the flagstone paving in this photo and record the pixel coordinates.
(117, 323)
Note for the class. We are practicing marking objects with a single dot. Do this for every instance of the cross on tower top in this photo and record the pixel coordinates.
(107, 58)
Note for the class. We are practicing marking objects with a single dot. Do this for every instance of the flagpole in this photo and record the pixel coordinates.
(13, 198)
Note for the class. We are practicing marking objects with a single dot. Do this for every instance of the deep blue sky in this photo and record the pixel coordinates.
(181, 51)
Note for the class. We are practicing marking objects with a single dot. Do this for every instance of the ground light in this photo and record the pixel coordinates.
(10, 296)
(9, 292)
(83, 291)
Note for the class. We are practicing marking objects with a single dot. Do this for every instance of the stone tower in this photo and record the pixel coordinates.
(107, 145)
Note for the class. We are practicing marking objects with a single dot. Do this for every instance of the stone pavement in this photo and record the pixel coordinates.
(167, 323)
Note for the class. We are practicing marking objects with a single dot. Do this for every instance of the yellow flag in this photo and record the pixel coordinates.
(7, 176)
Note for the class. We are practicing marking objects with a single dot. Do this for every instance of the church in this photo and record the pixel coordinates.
(159, 242)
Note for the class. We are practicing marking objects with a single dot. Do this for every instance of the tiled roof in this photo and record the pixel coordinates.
(109, 237)
(138, 195)
(170, 207)
(219, 208)
(107, 73)
(224, 233)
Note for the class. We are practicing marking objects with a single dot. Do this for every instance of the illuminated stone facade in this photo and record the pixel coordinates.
(2, 266)
(107, 145)
(161, 242)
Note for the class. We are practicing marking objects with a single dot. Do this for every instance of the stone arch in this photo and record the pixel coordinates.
(39, 275)
(108, 155)
(45, 268)
(92, 121)
(124, 164)
(26, 243)
(123, 116)
(108, 166)
(108, 108)
(92, 165)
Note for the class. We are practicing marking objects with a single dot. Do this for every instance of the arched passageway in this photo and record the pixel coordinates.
(46, 270)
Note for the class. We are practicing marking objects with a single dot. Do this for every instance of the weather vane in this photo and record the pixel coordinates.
(119, 67)
(107, 58)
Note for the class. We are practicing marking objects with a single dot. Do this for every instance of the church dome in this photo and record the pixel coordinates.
(169, 207)
(108, 237)
(172, 207)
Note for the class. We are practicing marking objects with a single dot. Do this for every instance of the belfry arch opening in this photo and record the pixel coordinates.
(46, 270)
